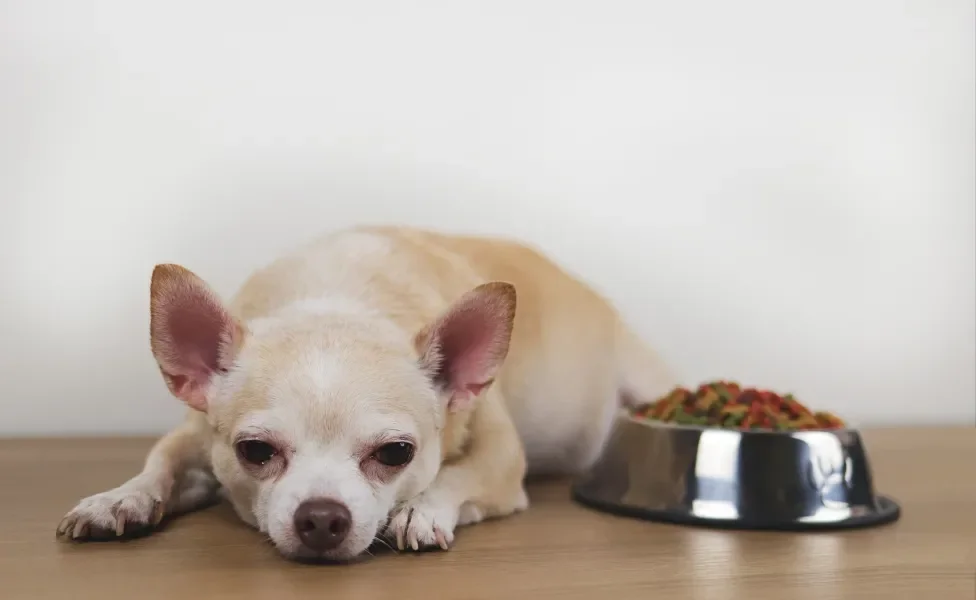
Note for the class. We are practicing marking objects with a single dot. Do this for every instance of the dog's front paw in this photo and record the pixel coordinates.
(424, 523)
(130, 509)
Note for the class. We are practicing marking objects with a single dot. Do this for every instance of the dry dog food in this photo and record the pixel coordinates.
(726, 404)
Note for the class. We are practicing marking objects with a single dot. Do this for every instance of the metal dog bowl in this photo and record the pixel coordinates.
(771, 480)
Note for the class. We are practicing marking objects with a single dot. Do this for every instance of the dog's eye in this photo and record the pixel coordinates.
(256, 452)
(395, 454)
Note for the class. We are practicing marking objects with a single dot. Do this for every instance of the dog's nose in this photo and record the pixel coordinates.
(322, 524)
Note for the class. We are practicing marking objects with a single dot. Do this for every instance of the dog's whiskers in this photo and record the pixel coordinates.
(382, 541)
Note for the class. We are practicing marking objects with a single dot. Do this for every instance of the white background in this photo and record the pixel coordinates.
(776, 192)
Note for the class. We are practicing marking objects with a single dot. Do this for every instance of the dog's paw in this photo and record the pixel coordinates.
(470, 514)
(130, 509)
(424, 523)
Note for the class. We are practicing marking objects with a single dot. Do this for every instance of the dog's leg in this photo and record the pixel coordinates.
(485, 482)
(175, 479)
(462, 351)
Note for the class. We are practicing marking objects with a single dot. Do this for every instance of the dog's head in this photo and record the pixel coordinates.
(324, 418)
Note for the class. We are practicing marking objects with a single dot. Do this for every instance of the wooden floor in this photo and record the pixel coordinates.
(555, 550)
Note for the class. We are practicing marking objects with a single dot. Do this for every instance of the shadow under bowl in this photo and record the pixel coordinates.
(762, 480)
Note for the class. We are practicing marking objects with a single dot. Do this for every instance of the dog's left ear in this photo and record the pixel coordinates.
(464, 348)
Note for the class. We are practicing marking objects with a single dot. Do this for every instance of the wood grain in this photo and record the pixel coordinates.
(555, 550)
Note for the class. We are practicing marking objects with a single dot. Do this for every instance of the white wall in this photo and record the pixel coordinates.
(778, 192)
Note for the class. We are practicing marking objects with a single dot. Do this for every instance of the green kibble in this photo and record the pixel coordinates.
(724, 393)
(734, 419)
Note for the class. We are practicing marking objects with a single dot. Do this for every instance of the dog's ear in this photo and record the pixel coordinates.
(193, 336)
(464, 348)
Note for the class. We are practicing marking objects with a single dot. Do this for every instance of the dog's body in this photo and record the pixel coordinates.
(378, 381)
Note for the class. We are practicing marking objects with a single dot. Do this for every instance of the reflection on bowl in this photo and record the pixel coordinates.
(731, 478)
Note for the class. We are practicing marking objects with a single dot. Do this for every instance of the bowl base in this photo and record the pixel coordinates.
(888, 512)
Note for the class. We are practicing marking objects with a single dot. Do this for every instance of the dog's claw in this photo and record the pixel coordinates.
(441, 540)
(120, 525)
(80, 530)
(62, 527)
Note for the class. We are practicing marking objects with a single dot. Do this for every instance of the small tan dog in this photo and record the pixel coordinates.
(355, 389)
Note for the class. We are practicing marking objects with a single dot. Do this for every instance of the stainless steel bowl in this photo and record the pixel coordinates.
(738, 479)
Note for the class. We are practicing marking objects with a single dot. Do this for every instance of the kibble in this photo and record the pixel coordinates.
(728, 405)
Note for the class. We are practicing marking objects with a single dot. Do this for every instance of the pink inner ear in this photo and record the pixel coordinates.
(196, 339)
(469, 343)
(192, 334)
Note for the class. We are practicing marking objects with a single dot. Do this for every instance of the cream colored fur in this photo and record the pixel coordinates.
(323, 353)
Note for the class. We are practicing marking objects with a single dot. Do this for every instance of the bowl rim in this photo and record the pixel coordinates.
(628, 415)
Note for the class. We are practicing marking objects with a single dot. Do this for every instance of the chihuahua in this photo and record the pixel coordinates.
(377, 383)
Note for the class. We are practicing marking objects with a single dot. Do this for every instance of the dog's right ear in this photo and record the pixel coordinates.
(192, 334)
